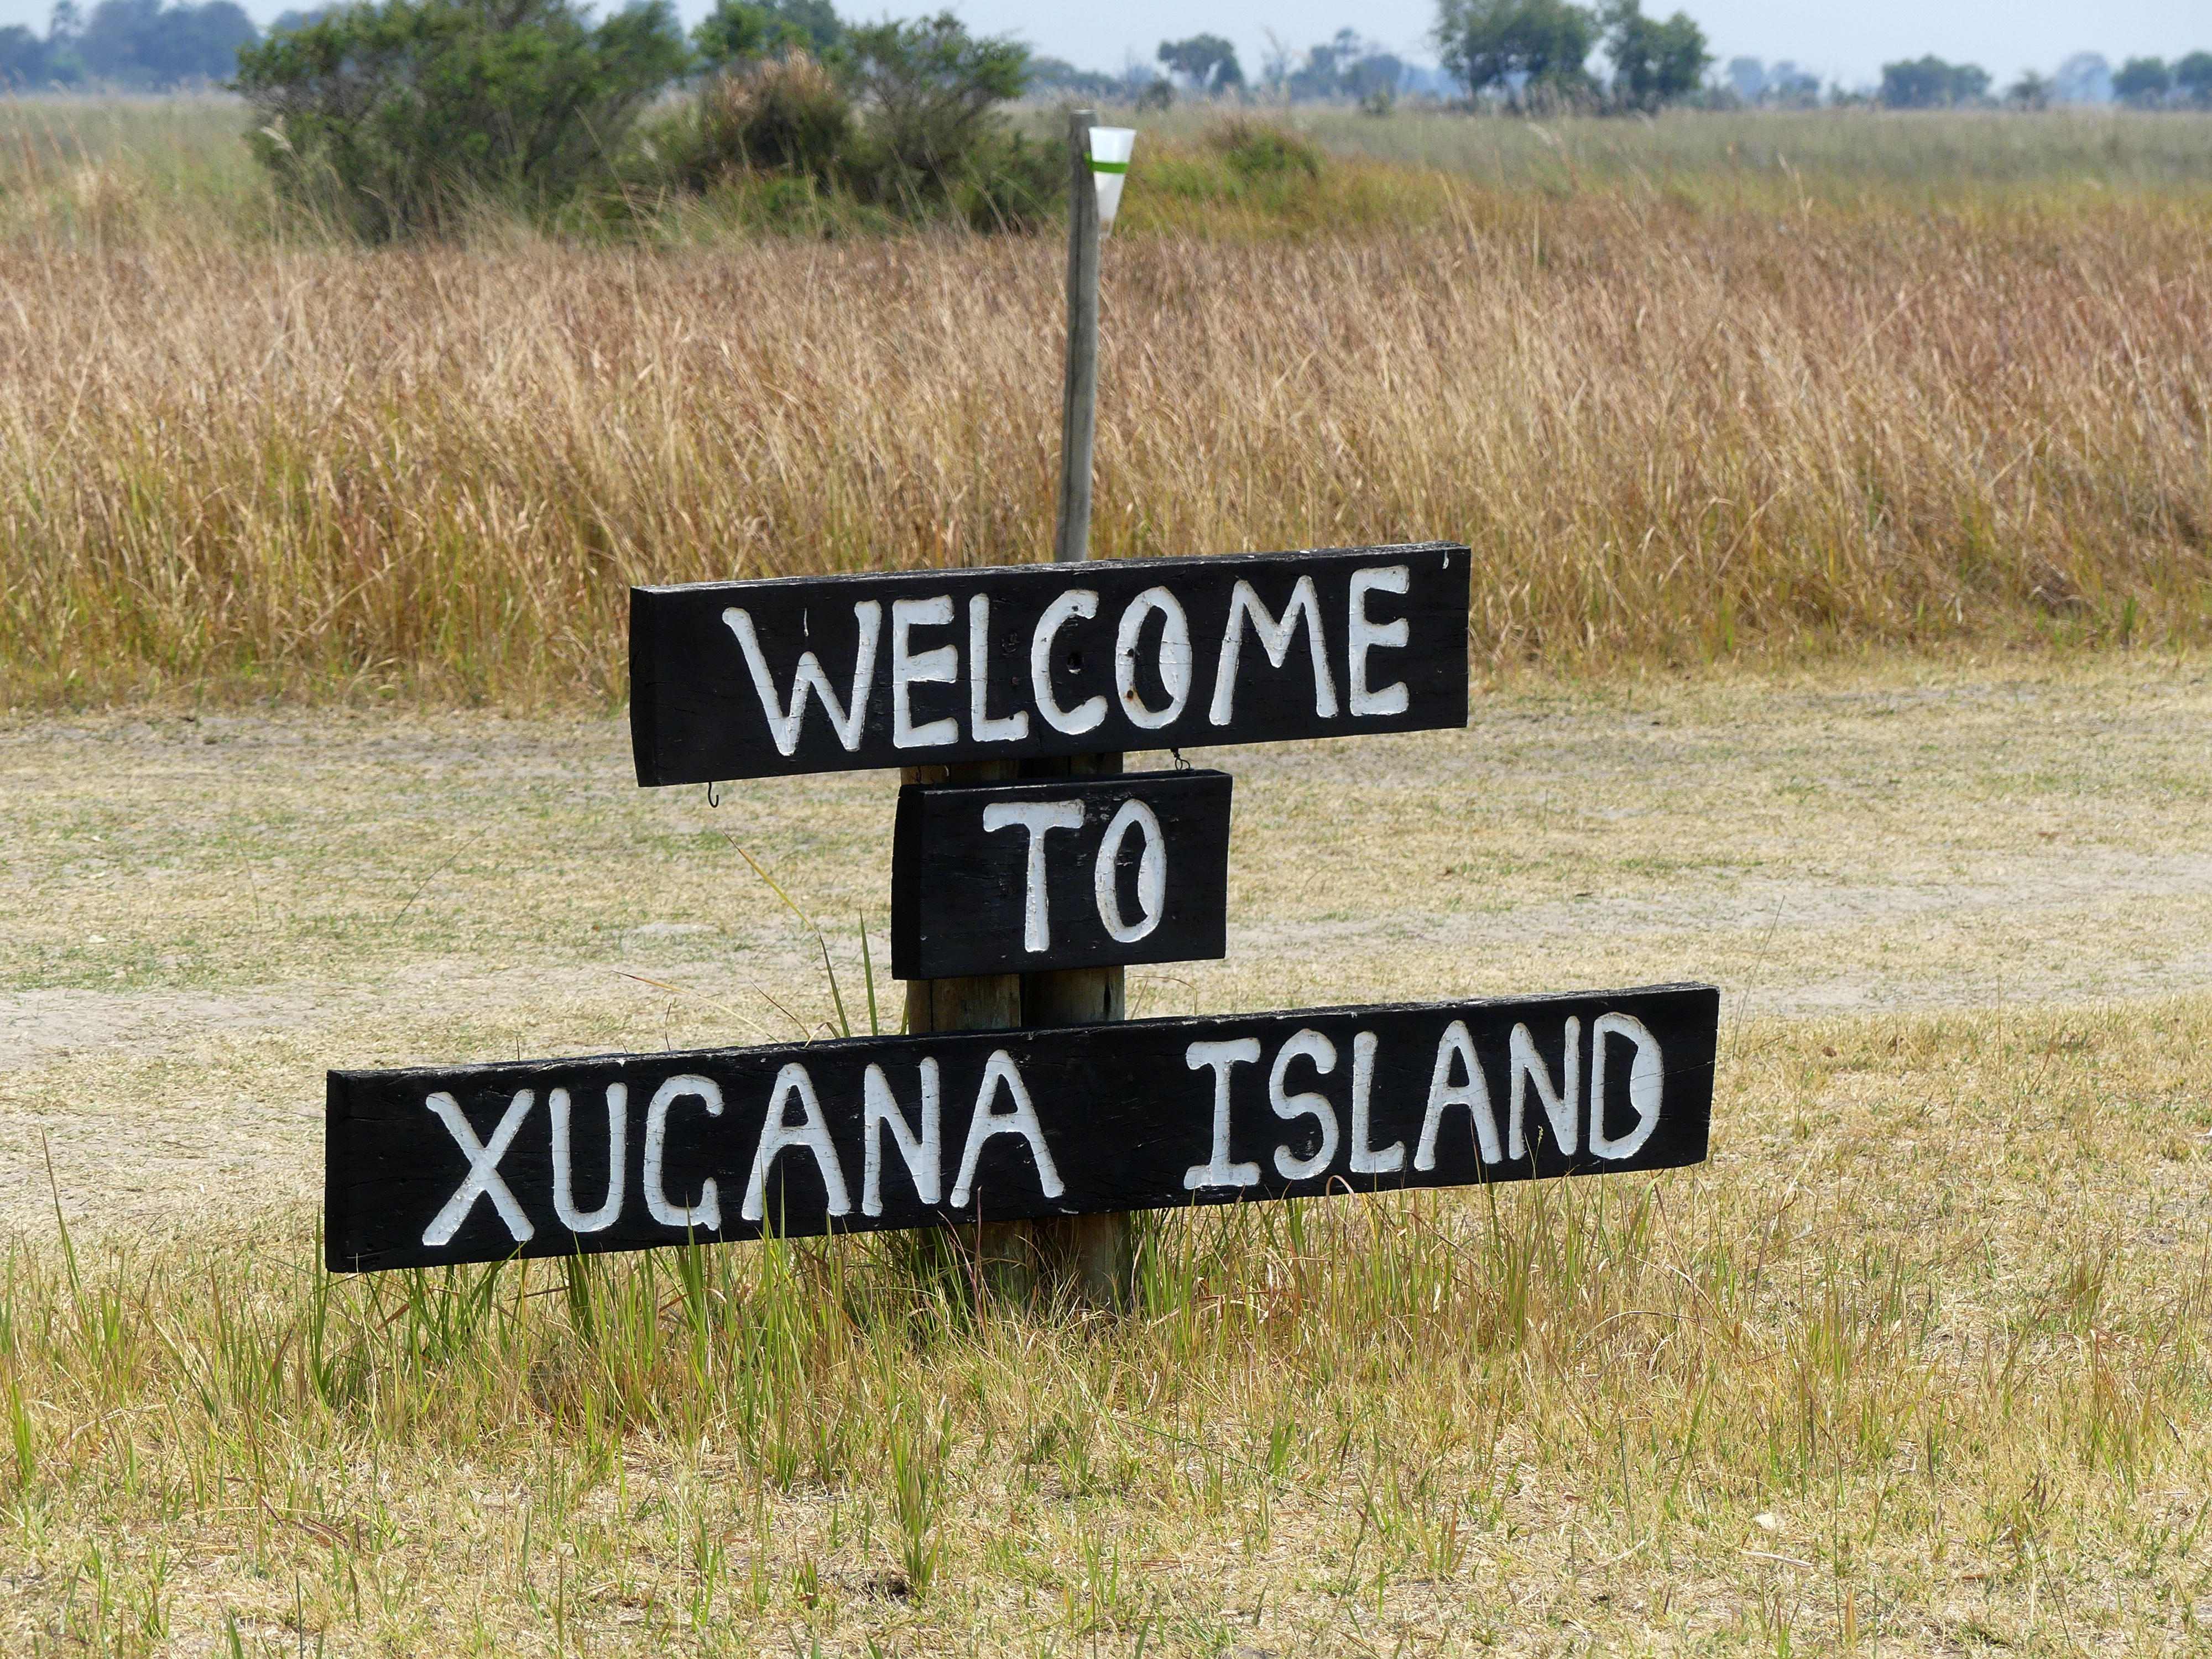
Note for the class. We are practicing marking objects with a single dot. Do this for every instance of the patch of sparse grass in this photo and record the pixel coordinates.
(1921, 1354)
(1924, 1346)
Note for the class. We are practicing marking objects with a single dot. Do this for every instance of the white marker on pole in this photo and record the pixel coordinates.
(1109, 166)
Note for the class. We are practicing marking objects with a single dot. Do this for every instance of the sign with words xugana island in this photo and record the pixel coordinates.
(1086, 870)
(627, 1152)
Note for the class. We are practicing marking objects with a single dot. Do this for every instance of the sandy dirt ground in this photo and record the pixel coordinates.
(200, 914)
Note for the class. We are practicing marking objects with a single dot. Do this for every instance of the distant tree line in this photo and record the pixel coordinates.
(1536, 51)
(2141, 82)
(1204, 63)
(1930, 84)
(1520, 52)
(1779, 85)
(2151, 83)
(1516, 53)
(1345, 67)
(139, 44)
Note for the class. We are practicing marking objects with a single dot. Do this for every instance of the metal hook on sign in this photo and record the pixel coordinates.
(1181, 765)
(713, 800)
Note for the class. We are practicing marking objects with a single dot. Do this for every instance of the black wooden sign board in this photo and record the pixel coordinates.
(836, 673)
(630, 1151)
(1072, 872)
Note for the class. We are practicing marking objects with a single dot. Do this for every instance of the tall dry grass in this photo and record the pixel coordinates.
(1670, 432)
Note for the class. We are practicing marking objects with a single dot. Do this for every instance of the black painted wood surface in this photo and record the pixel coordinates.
(1066, 872)
(769, 678)
(433, 1166)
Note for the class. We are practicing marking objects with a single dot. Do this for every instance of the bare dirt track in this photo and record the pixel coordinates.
(200, 914)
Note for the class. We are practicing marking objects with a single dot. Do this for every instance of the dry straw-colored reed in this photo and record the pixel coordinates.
(1671, 432)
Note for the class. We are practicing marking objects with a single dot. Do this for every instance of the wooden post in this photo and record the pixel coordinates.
(1091, 1258)
(1078, 401)
(1088, 1261)
(984, 1002)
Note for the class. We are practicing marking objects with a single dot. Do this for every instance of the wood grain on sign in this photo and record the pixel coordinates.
(1072, 872)
(936, 668)
(630, 1151)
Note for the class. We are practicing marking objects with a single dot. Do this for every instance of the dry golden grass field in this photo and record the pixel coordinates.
(1675, 424)
(1840, 493)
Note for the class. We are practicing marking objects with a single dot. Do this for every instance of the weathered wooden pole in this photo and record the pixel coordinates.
(1078, 398)
(1093, 1256)
(1007, 1262)
(1087, 1259)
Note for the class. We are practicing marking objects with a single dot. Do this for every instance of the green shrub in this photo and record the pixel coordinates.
(1014, 184)
(404, 116)
(902, 122)
(1258, 151)
(784, 114)
(930, 93)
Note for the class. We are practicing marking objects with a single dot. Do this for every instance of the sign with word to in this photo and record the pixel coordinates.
(1075, 872)
(630, 1151)
(924, 668)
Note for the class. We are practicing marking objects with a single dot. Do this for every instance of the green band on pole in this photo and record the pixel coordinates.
(1110, 166)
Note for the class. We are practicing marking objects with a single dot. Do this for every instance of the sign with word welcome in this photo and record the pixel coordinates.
(759, 679)
(829, 674)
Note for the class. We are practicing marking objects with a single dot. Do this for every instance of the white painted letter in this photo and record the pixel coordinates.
(783, 723)
(1151, 872)
(999, 1071)
(940, 663)
(1175, 658)
(1365, 1159)
(483, 1178)
(982, 725)
(1218, 1171)
(1313, 1046)
(707, 1214)
(1275, 640)
(811, 1132)
(1444, 1094)
(1647, 1081)
(1563, 1109)
(1037, 818)
(1076, 602)
(1363, 636)
(564, 1193)
(925, 1156)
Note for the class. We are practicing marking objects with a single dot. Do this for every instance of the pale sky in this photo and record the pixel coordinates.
(1846, 43)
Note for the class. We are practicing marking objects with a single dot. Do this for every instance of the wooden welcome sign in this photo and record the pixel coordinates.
(835, 674)
(761, 679)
